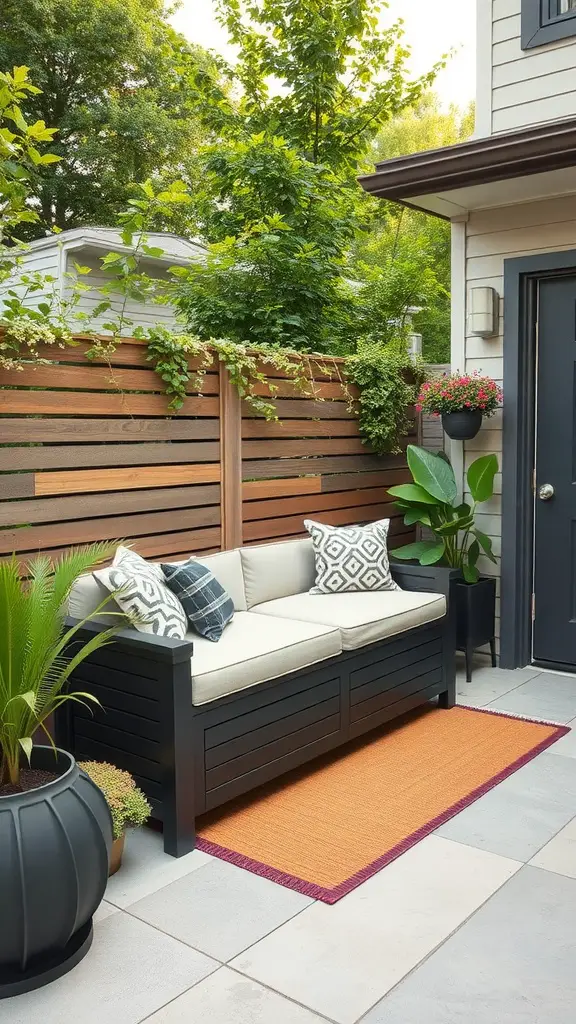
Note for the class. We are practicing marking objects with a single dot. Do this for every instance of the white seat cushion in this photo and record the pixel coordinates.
(251, 651)
(362, 618)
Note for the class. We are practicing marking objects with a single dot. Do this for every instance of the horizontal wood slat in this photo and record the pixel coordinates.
(98, 378)
(257, 489)
(274, 448)
(16, 485)
(173, 546)
(102, 455)
(389, 477)
(86, 531)
(298, 428)
(289, 389)
(77, 481)
(341, 464)
(82, 507)
(71, 403)
(315, 503)
(303, 408)
(52, 431)
(291, 525)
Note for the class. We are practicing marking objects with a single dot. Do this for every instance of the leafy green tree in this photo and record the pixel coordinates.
(119, 85)
(404, 259)
(279, 202)
(20, 156)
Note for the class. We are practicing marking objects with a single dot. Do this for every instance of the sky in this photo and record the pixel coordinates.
(432, 28)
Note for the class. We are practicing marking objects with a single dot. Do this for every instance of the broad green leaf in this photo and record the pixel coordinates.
(485, 543)
(417, 515)
(453, 527)
(480, 477)
(433, 555)
(417, 550)
(473, 553)
(412, 492)
(471, 574)
(432, 473)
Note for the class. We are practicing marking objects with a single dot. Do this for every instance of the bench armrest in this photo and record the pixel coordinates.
(154, 648)
(434, 579)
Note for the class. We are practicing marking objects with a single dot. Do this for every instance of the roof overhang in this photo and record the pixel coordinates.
(531, 164)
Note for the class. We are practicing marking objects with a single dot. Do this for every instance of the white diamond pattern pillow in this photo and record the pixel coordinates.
(140, 590)
(351, 558)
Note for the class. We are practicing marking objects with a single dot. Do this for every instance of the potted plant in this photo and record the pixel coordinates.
(55, 825)
(457, 543)
(461, 401)
(128, 805)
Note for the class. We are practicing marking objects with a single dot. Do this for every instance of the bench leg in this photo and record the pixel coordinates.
(179, 744)
(179, 835)
(448, 698)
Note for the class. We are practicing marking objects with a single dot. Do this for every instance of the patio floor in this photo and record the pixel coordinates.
(476, 923)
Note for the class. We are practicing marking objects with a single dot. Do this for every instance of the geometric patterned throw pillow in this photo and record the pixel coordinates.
(207, 605)
(350, 558)
(139, 588)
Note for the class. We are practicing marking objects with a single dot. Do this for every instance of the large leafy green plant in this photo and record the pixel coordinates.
(38, 651)
(432, 501)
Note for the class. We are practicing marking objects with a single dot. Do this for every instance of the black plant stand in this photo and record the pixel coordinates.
(475, 619)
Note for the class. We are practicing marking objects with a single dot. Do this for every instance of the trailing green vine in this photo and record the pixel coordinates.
(388, 382)
(171, 354)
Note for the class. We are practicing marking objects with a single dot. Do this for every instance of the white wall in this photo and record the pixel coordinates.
(484, 242)
(44, 261)
(142, 314)
(518, 88)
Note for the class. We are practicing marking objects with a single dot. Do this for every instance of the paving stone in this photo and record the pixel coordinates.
(338, 960)
(130, 972)
(511, 963)
(520, 815)
(220, 909)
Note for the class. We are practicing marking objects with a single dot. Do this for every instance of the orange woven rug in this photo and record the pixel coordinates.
(325, 829)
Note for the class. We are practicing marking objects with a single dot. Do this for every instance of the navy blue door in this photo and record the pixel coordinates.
(554, 637)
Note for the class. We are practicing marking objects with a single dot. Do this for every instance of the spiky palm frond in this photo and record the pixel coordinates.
(37, 649)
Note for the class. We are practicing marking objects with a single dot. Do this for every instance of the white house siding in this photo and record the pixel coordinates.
(44, 261)
(527, 86)
(491, 236)
(141, 314)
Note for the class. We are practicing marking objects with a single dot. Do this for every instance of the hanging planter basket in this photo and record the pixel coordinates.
(463, 424)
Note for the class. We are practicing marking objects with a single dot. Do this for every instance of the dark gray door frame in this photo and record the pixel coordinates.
(520, 345)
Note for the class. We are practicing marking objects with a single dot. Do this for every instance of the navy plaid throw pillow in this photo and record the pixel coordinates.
(207, 605)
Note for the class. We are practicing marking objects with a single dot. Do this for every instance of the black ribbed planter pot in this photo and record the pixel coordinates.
(462, 425)
(55, 844)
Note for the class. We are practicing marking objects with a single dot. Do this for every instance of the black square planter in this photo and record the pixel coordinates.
(475, 618)
(472, 604)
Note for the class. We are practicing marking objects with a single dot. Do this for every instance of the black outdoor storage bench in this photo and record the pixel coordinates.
(193, 757)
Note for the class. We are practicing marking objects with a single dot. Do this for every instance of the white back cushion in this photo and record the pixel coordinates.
(227, 568)
(278, 570)
(86, 594)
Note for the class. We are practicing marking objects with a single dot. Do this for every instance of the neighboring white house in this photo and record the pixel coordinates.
(510, 194)
(56, 255)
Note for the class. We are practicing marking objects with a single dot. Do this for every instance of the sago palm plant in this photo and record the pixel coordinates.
(37, 650)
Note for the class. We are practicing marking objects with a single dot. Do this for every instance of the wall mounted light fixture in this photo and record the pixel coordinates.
(484, 312)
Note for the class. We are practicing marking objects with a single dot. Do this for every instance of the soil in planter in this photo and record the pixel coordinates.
(29, 779)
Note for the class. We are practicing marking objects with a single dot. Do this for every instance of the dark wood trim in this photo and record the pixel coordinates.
(520, 345)
(517, 154)
(538, 29)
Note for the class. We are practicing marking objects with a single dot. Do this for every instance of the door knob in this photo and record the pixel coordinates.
(546, 492)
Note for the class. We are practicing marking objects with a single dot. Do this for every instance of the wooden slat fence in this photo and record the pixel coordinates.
(312, 463)
(89, 451)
